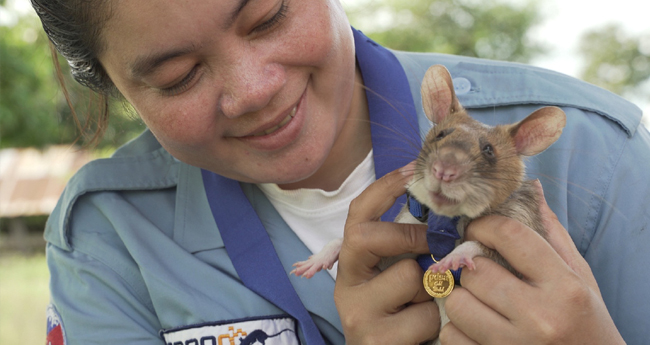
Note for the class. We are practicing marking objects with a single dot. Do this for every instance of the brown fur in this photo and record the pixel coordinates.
(470, 169)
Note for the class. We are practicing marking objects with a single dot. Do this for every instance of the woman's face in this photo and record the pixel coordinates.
(255, 90)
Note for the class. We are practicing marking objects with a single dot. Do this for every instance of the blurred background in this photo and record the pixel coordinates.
(604, 43)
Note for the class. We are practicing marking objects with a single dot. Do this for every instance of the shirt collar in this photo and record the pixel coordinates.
(393, 120)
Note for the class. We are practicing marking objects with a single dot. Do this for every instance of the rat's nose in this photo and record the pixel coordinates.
(449, 165)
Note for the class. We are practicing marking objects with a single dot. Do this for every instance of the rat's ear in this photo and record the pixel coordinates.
(438, 96)
(538, 130)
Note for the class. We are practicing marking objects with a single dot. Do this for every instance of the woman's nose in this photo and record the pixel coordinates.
(249, 86)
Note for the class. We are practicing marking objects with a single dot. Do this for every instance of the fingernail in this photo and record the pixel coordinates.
(408, 170)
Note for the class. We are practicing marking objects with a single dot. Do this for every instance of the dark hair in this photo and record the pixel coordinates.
(74, 30)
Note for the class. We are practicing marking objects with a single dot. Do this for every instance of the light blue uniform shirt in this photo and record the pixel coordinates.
(133, 248)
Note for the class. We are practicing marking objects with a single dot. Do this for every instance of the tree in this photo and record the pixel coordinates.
(33, 110)
(616, 60)
(486, 29)
(27, 90)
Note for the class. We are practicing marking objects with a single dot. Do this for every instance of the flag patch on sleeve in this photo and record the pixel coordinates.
(269, 330)
(55, 331)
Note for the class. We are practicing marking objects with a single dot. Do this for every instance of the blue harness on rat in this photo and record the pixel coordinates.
(442, 234)
(247, 242)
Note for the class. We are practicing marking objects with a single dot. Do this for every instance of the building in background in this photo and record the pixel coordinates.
(31, 182)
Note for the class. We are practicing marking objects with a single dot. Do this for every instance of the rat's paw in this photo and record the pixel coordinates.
(308, 267)
(461, 256)
(324, 259)
(452, 262)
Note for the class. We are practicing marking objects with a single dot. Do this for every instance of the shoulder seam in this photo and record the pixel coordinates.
(550, 87)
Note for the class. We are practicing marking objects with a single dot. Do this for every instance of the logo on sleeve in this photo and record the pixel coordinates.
(55, 332)
(266, 331)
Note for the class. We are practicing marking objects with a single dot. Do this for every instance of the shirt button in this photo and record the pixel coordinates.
(462, 85)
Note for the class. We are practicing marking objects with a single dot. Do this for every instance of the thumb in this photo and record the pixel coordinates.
(560, 240)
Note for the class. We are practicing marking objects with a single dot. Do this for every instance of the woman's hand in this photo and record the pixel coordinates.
(557, 303)
(389, 307)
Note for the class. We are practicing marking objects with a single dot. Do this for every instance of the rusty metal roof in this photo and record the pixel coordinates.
(32, 180)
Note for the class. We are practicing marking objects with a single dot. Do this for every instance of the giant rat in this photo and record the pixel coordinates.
(468, 169)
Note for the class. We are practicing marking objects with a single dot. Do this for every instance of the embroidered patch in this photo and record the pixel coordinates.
(269, 331)
(55, 331)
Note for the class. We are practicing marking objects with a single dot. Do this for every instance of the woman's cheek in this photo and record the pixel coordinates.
(311, 34)
(184, 120)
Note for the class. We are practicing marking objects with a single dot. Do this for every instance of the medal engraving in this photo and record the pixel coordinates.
(438, 285)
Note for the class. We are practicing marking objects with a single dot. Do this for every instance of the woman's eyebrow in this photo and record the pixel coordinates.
(147, 64)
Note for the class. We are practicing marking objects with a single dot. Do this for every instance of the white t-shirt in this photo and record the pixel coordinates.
(315, 215)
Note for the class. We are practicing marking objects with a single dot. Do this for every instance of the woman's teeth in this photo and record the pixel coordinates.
(275, 128)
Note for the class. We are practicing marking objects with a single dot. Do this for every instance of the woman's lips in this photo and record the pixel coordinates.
(280, 125)
(275, 136)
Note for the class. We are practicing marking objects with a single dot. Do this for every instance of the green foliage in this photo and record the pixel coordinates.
(616, 60)
(33, 109)
(27, 90)
(486, 29)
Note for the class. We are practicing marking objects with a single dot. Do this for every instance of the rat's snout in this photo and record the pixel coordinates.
(450, 164)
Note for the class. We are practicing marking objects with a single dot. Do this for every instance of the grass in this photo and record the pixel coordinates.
(24, 296)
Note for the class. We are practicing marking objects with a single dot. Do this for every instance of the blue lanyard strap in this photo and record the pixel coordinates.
(392, 117)
(252, 253)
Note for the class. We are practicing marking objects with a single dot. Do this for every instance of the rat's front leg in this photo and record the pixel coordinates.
(461, 256)
(324, 259)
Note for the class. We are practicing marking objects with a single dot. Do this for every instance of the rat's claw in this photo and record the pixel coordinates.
(469, 263)
(324, 259)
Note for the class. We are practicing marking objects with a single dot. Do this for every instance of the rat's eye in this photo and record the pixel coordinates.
(488, 151)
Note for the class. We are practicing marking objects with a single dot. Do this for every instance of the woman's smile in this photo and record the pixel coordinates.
(266, 93)
(275, 128)
(282, 131)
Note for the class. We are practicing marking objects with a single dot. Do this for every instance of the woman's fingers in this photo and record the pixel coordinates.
(396, 284)
(495, 287)
(366, 243)
(389, 306)
(562, 243)
(477, 319)
(379, 196)
(557, 301)
(450, 334)
(523, 248)
(367, 240)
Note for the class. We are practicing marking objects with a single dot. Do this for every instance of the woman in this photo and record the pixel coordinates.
(186, 234)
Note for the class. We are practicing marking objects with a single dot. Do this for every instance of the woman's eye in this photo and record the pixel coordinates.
(182, 85)
(276, 19)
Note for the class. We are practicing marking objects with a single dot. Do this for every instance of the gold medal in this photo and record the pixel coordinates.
(438, 285)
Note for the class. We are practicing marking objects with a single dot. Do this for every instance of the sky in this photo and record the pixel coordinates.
(564, 22)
